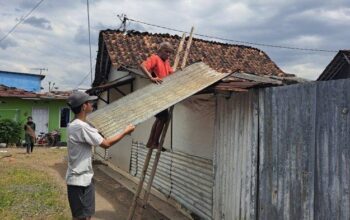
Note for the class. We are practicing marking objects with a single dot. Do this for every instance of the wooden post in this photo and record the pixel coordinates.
(139, 188)
(187, 49)
(179, 50)
(156, 159)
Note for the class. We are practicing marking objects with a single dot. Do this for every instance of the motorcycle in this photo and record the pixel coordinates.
(49, 139)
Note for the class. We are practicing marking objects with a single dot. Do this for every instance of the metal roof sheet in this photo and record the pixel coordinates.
(152, 99)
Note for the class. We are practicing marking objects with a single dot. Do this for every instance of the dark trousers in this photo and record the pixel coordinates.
(157, 129)
(30, 147)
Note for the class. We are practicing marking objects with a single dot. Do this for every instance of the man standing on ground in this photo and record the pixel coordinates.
(156, 67)
(81, 137)
(29, 136)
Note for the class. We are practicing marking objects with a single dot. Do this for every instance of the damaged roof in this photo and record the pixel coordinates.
(6, 91)
(119, 49)
(13, 92)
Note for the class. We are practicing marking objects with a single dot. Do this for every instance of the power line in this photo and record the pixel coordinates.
(83, 80)
(236, 41)
(88, 18)
(20, 21)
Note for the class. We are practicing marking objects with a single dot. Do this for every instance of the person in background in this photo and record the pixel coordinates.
(29, 136)
(81, 137)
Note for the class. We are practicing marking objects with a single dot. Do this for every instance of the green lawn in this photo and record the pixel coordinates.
(26, 193)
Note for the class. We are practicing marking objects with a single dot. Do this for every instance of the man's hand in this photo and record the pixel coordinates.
(130, 128)
(156, 80)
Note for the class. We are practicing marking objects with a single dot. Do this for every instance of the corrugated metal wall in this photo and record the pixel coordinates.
(235, 157)
(332, 182)
(298, 167)
(187, 179)
(287, 152)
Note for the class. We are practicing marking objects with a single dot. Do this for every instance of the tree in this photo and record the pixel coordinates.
(10, 131)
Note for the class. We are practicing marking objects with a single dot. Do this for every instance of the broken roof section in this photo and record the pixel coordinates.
(6, 91)
(13, 92)
(152, 99)
(129, 50)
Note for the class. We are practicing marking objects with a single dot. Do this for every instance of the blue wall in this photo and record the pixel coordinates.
(29, 82)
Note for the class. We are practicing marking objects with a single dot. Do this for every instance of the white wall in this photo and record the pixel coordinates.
(193, 125)
(116, 74)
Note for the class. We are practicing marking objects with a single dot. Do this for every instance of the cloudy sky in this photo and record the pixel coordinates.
(55, 34)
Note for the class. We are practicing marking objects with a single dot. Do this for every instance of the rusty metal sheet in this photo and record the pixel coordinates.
(236, 156)
(152, 99)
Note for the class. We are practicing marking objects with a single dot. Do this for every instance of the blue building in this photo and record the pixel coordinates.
(27, 81)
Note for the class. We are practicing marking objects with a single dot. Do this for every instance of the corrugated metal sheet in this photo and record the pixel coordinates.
(185, 178)
(332, 193)
(235, 156)
(152, 99)
(287, 152)
(305, 152)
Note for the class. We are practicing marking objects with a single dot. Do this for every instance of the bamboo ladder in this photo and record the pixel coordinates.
(159, 149)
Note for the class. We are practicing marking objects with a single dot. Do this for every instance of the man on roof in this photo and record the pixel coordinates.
(156, 67)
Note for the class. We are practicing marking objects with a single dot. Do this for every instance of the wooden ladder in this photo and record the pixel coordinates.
(159, 149)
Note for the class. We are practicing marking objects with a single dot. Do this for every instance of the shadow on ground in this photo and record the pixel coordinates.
(112, 199)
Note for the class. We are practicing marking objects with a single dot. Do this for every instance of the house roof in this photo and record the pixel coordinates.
(13, 92)
(6, 91)
(335, 67)
(118, 49)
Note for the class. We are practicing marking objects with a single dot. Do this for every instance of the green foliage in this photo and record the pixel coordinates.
(10, 131)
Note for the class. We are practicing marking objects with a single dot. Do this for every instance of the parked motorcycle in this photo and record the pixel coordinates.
(49, 139)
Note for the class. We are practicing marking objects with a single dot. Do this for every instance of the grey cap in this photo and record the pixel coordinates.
(78, 98)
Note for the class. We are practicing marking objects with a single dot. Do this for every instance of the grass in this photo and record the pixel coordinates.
(28, 193)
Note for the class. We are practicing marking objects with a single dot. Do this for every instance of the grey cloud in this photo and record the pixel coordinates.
(42, 23)
(7, 42)
(82, 35)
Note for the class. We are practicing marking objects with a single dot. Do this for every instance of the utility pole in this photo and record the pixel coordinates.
(88, 18)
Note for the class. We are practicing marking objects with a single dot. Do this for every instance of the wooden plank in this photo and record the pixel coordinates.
(332, 193)
(188, 45)
(256, 78)
(178, 51)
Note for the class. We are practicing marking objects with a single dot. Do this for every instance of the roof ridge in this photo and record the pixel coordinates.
(179, 37)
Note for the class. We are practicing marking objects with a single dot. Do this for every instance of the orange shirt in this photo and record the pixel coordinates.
(154, 64)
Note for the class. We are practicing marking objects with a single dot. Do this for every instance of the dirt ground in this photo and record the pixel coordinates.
(112, 199)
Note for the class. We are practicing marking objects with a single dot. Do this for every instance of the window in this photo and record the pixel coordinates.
(64, 117)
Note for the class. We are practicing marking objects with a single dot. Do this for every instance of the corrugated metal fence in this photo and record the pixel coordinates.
(185, 178)
(235, 157)
(301, 134)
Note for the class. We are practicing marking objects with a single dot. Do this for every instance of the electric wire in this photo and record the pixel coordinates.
(236, 41)
(21, 20)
